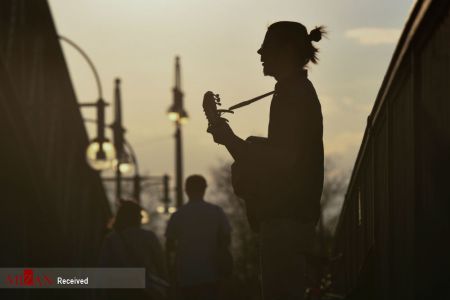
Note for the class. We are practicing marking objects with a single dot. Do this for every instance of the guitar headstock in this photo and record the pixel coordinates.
(210, 103)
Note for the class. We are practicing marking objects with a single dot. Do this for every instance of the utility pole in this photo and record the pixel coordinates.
(118, 132)
(178, 100)
(179, 116)
(166, 198)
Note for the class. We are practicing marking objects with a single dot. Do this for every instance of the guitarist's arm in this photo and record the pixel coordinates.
(237, 147)
(224, 135)
(242, 150)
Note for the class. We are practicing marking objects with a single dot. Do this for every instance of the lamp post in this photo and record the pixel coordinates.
(100, 153)
(119, 140)
(179, 116)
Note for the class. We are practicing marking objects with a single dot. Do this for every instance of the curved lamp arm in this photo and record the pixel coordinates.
(133, 156)
(89, 61)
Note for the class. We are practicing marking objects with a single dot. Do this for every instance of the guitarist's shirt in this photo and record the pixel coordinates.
(289, 168)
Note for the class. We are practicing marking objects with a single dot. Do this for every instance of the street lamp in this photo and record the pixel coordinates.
(173, 112)
(179, 116)
(166, 208)
(127, 163)
(100, 153)
(183, 118)
(176, 111)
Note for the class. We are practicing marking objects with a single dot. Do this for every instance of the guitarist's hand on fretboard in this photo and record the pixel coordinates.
(221, 132)
(217, 125)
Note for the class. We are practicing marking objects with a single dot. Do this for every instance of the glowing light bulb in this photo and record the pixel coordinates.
(100, 156)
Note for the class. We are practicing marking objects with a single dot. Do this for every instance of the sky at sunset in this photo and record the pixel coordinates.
(137, 40)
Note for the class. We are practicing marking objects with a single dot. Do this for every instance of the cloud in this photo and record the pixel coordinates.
(370, 36)
(336, 108)
(343, 142)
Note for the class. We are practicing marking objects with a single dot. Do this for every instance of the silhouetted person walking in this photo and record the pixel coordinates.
(128, 245)
(281, 177)
(198, 235)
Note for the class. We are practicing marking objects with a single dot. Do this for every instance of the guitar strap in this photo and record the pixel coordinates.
(247, 102)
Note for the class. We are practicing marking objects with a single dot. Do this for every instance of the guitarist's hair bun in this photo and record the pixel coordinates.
(296, 34)
(315, 35)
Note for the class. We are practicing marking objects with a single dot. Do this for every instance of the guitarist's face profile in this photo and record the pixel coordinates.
(278, 58)
(269, 53)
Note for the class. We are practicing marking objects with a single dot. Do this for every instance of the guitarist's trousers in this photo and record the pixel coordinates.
(284, 244)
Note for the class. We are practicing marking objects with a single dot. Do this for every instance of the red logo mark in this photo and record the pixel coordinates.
(28, 279)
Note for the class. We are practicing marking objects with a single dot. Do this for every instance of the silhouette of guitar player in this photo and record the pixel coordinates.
(281, 177)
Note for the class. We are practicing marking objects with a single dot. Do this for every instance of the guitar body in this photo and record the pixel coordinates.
(246, 185)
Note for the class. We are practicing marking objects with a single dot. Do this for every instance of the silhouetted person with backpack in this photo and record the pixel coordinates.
(281, 177)
(198, 237)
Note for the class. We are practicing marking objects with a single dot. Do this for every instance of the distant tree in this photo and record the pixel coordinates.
(334, 187)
